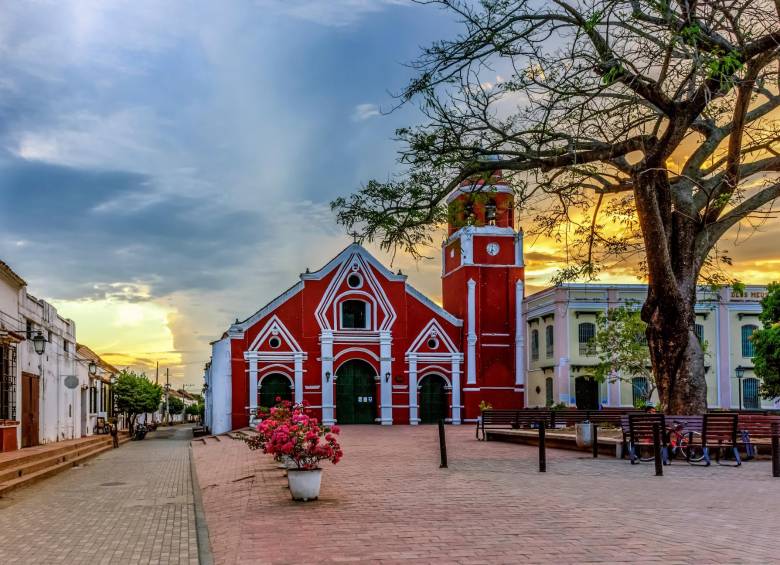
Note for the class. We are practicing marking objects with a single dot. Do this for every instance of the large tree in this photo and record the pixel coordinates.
(632, 126)
(766, 343)
(134, 394)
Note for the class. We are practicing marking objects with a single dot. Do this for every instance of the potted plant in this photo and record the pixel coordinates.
(304, 441)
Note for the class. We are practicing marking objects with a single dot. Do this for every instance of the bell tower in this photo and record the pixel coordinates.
(483, 284)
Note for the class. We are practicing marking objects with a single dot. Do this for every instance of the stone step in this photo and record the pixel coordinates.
(50, 470)
(27, 467)
(31, 454)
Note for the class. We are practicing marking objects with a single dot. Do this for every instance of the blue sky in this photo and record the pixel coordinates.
(170, 164)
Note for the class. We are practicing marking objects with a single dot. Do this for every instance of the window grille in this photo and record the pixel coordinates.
(549, 340)
(535, 345)
(587, 331)
(639, 388)
(747, 344)
(7, 382)
(750, 398)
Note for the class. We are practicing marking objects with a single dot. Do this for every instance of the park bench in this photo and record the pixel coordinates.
(719, 431)
(640, 433)
(512, 419)
(753, 429)
(101, 427)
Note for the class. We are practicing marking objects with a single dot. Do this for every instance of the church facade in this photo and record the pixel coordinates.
(360, 345)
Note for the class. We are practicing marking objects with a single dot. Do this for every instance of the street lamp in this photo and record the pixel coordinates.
(740, 372)
(39, 343)
(92, 368)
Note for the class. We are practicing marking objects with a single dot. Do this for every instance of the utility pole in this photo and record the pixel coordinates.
(157, 374)
(167, 392)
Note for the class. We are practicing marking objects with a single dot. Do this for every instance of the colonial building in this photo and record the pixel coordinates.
(359, 344)
(562, 320)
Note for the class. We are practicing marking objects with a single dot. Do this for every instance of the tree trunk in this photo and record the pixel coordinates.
(669, 311)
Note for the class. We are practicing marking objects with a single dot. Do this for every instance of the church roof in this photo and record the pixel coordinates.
(338, 260)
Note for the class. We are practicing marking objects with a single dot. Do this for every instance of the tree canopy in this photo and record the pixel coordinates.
(766, 344)
(135, 394)
(640, 129)
(175, 405)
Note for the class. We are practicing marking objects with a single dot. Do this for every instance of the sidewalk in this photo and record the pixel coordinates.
(129, 505)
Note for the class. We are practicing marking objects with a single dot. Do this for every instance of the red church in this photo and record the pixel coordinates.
(360, 345)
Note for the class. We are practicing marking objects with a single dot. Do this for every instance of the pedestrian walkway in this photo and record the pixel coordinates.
(388, 501)
(129, 505)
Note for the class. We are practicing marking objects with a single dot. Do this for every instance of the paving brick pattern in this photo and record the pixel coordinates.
(388, 501)
(130, 505)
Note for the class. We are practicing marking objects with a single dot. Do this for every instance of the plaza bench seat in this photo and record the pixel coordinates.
(755, 429)
(640, 432)
(512, 419)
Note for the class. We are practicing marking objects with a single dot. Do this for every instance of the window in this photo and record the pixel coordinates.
(354, 315)
(354, 280)
(548, 392)
(7, 382)
(549, 340)
(65, 346)
(275, 342)
(698, 329)
(30, 329)
(747, 344)
(750, 399)
(490, 213)
(433, 343)
(535, 345)
(92, 399)
(639, 388)
(587, 331)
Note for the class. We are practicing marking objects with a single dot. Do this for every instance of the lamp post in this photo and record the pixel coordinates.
(740, 372)
(39, 345)
(167, 407)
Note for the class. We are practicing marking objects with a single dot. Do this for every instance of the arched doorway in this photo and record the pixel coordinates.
(586, 393)
(272, 387)
(433, 399)
(355, 393)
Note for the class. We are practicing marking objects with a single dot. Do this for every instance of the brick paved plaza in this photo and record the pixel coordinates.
(388, 501)
(130, 505)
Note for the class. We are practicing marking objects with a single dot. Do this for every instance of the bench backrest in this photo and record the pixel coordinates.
(719, 429)
(640, 426)
(757, 426)
(516, 418)
(689, 423)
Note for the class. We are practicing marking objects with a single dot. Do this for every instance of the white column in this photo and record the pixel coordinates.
(252, 386)
(519, 260)
(414, 418)
(471, 360)
(385, 385)
(298, 378)
(519, 337)
(455, 376)
(327, 377)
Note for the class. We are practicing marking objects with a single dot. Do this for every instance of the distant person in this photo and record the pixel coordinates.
(114, 430)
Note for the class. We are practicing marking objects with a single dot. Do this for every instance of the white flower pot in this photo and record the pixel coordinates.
(304, 484)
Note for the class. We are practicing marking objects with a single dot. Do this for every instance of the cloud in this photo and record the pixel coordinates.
(334, 13)
(365, 112)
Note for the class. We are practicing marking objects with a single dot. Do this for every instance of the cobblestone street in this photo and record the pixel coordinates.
(388, 501)
(130, 505)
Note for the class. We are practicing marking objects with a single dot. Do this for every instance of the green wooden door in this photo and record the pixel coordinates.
(355, 393)
(433, 399)
(273, 387)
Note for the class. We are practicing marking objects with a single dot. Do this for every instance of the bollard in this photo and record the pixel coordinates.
(595, 441)
(659, 465)
(442, 445)
(775, 449)
(542, 454)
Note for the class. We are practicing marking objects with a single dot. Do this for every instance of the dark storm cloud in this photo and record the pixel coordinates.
(108, 230)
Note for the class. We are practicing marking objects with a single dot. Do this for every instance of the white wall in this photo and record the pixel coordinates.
(219, 394)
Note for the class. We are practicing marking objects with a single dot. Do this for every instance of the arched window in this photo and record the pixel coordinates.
(750, 398)
(698, 329)
(549, 340)
(587, 331)
(490, 213)
(355, 315)
(639, 388)
(535, 345)
(747, 344)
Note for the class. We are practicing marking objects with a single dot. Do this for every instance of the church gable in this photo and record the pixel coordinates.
(433, 340)
(274, 337)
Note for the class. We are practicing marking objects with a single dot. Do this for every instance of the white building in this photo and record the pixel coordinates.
(561, 320)
(96, 400)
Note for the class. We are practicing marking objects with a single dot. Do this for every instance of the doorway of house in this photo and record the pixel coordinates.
(433, 399)
(586, 393)
(355, 393)
(30, 409)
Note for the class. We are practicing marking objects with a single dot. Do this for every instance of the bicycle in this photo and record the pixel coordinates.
(687, 444)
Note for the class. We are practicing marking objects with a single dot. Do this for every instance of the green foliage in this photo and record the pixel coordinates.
(175, 405)
(766, 344)
(194, 409)
(621, 347)
(134, 394)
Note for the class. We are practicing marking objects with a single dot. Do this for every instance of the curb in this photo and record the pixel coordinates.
(205, 556)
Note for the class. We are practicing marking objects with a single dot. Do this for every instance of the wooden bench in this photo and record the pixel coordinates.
(719, 431)
(640, 433)
(754, 427)
(512, 419)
